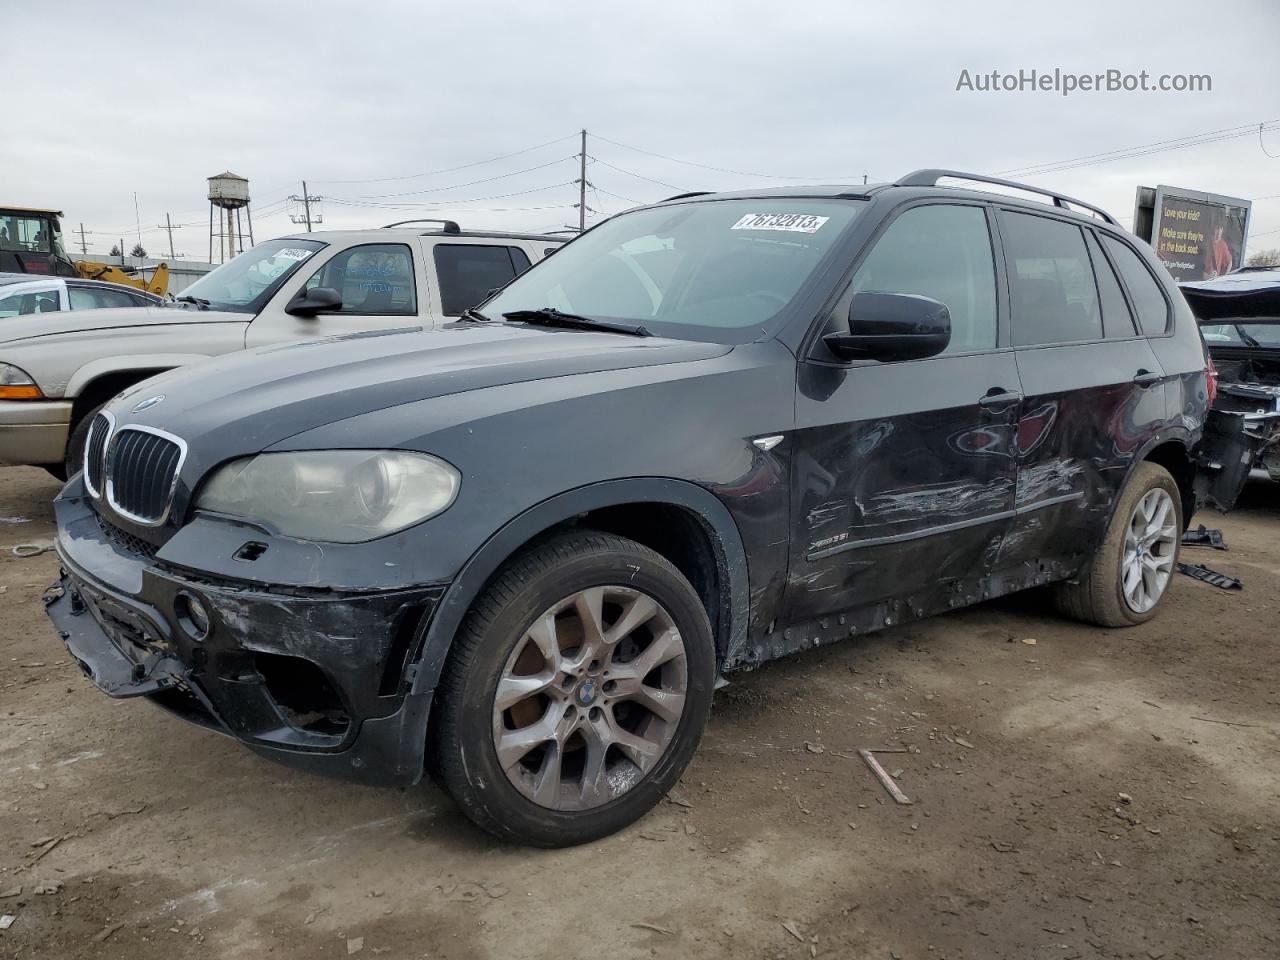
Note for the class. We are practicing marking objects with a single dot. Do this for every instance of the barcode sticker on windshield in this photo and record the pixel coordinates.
(294, 253)
(790, 222)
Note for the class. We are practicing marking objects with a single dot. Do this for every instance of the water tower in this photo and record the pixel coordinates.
(228, 195)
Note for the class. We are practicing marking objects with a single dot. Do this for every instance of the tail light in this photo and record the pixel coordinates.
(1211, 380)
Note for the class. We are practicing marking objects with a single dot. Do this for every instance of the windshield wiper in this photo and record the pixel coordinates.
(552, 317)
(1245, 336)
(474, 315)
(200, 302)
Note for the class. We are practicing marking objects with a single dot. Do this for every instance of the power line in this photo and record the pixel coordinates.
(1263, 146)
(464, 166)
(617, 196)
(707, 166)
(445, 201)
(469, 183)
(632, 173)
(1141, 150)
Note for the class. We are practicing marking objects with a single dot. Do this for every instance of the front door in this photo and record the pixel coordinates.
(903, 472)
(378, 285)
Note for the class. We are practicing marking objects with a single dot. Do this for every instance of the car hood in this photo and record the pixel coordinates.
(1237, 296)
(247, 401)
(79, 321)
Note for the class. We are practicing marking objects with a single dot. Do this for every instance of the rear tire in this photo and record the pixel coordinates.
(1129, 573)
(598, 652)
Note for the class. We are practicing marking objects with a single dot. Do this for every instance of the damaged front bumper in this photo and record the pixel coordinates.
(317, 679)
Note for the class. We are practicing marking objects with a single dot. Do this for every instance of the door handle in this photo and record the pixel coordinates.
(996, 399)
(1145, 378)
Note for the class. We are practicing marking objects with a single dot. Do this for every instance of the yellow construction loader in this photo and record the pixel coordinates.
(31, 242)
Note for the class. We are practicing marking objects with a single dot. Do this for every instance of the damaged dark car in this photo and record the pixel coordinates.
(520, 552)
(1239, 315)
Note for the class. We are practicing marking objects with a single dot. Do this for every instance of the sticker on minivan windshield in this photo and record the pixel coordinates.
(790, 222)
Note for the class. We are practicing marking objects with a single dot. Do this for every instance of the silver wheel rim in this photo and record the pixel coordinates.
(1150, 546)
(590, 698)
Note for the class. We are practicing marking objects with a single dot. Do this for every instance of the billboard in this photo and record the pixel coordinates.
(1197, 235)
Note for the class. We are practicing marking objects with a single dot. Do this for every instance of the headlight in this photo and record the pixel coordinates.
(338, 496)
(16, 385)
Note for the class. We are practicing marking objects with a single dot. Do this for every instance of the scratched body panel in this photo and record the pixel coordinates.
(901, 478)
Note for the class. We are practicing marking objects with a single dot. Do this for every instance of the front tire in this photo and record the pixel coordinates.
(1130, 571)
(74, 458)
(576, 691)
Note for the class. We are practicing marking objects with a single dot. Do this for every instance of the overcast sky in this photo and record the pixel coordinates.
(107, 100)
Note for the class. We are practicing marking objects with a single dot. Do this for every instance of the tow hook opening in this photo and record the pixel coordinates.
(303, 694)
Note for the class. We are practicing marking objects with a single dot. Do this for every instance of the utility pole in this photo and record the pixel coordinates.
(84, 247)
(582, 185)
(307, 217)
(306, 204)
(168, 225)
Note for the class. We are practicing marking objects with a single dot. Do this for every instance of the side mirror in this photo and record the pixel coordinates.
(892, 326)
(310, 302)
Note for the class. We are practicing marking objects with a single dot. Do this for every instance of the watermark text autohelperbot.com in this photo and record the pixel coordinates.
(1066, 83)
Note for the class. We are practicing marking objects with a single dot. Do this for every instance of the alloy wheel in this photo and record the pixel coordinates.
(590, 698)
(1150, 547)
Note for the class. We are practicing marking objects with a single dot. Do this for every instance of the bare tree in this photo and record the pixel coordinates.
(1266, 258)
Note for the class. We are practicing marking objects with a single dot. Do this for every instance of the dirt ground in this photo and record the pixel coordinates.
(1094, 794)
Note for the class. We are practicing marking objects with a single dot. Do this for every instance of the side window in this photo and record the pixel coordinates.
(1051, 287)
(519, 259)
(944, 252)
(375, 279)
(17, 304)
(467, 272)
(113, 298)
(1117, 321)
(81, 298)
(1153, 309)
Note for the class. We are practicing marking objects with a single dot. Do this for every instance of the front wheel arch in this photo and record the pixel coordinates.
(511, 538)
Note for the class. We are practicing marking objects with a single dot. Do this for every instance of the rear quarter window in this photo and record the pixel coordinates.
(1144, 289)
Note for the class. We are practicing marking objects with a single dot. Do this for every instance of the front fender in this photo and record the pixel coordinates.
(150, 364)
(726, 540)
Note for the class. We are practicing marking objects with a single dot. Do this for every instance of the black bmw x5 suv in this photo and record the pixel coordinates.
(521, 551)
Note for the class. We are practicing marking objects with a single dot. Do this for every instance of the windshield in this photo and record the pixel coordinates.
(715, 270)
(246, 283)
(1244, 334)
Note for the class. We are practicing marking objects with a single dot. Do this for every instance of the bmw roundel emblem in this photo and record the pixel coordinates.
(148, 403)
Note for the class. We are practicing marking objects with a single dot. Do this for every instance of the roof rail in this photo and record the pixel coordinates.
(930, 178)
(446, 226)
(691, 193)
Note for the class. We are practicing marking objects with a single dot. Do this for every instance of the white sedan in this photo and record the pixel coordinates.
(22, 294)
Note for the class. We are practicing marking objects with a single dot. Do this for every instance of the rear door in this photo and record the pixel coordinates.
(903, 473)
(467, 271)
(1093, 387)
